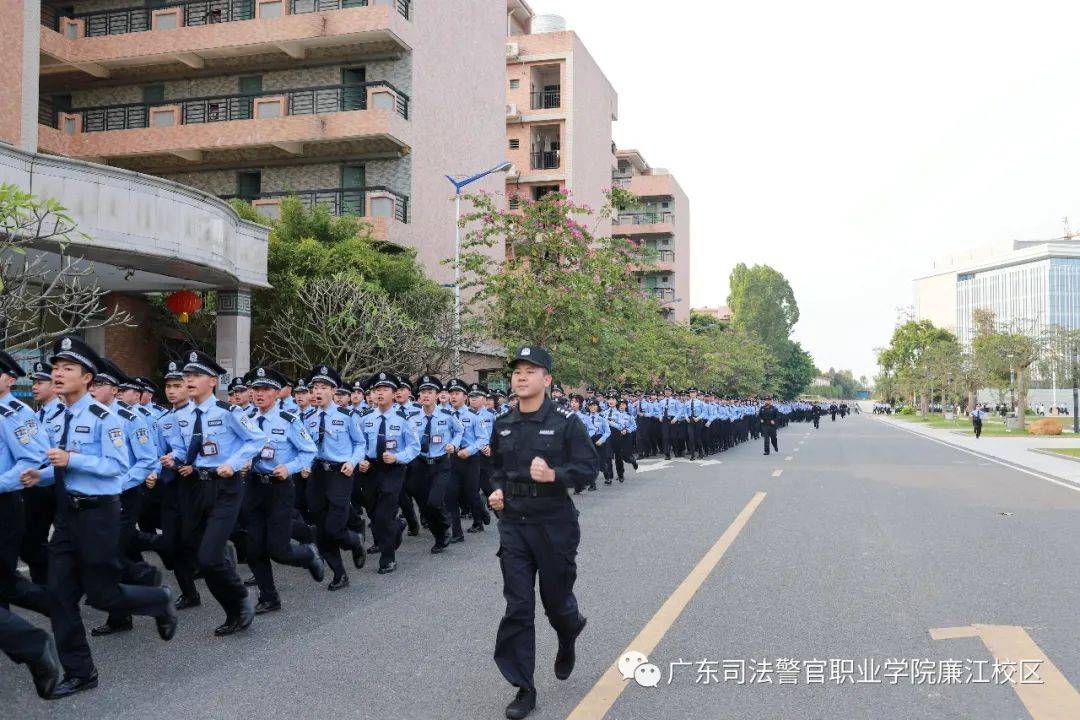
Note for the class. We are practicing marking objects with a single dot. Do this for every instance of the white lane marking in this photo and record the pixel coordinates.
(777, 473)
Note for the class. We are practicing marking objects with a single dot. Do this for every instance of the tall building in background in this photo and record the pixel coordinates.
(361, 106)
(660, 223)
(559, 110)
(1032, 284)
(358, 105)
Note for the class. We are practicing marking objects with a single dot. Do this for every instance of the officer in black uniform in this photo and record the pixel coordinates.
(770, 420)
(539, 452)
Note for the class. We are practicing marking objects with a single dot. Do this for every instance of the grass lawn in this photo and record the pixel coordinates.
(992, 427)
(1071, 452)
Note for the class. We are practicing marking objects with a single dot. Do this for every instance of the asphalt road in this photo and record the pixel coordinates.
(868, 538)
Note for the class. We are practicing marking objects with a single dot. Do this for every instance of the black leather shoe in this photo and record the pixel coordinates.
(46, 670)
(457, 539)
(564, 659)
(522, 704)
(237, 623)
(373, 550)
(592, 487)
(267, 607)
(168, 620)
(487, 518)
(107, 629)
(475, 529)
(359, 555)
(607, 482)
(635, 465)
(388, 568)
(338, 583)
(251, 582)
(414, 531)
(622, 479)
(72, 685)
(188, 601)
(316, 567)
(576, 491)
(439, 546)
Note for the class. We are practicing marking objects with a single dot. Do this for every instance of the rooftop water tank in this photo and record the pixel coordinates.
(548, 23)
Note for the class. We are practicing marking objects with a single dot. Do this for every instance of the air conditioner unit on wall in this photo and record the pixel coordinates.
(513, 171)
(512, 50)
(511, 110)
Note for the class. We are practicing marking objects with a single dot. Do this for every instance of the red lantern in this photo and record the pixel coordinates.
(182, 303)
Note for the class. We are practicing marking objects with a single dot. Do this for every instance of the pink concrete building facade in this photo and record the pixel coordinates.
(559, 112)
(661, 223)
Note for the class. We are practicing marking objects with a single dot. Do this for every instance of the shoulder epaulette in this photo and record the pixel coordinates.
(363, 411)
(287, 417)
(5, 411)
(224, 405)
(99, 410)
(143, 410)
(15, 405)
(401, 412)
(126, 414)
(344, 410)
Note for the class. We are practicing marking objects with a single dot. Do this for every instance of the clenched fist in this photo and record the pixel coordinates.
(495, 500)
(541, 471)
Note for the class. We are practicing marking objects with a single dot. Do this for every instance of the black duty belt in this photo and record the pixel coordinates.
(266, 478)
(531, 489)
(431, 461)
(77, 501)
(328, 465)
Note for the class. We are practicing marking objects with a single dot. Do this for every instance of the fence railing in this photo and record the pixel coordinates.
(644, 218)
(546, 99)
(119, 21)
(222, 108)
(338, 201)
(663, 293)
(548, 160)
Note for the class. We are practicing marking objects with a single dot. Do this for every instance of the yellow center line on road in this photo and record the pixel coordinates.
(598, 701)
(1050, 696)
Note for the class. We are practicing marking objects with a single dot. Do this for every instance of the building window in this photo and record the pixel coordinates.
(664, 278)
(515, 202)
(515, 144)
(248, 184)
(515, 84)
(153, 93)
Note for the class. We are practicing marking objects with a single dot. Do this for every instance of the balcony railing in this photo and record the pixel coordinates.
(644, 218)
(546, 99)
(662, 293)
(222, 108)
(548, 160)
(120, 21)
(621, 181)
(338, 201)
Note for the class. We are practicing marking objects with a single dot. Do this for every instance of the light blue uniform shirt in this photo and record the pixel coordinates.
(227, 438)
(19, 449)
(288, 404)
(445, 430)
(342, 441)
(398, 434)
(287, 443)
(98, 457)
(595, 424)
(668, 407)
(142, 451)
(695, 407)
(474, 438)
(616, 419)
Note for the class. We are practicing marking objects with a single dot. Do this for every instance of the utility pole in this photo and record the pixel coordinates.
(1076, 393)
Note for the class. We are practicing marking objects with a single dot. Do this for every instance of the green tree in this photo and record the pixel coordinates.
(796, 371)
(763, 304)
(905, 362)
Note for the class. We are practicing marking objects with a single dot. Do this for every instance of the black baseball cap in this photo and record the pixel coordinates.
(534, 355)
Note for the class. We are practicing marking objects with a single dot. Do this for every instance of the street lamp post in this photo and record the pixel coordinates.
(459, 184)
(1076, 392)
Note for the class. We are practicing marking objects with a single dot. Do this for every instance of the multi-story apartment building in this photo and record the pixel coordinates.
(660, 223)
(559, 110)
(358, 105)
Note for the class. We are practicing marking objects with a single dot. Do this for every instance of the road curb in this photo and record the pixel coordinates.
(1051, 453)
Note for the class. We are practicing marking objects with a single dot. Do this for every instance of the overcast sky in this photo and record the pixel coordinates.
(846, 143)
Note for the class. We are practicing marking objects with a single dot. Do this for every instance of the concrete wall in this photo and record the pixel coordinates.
(145, 220)
(459, 121)
(391, 173)
(681, 247)
(935, 300)
(20, 21)
(592, 106)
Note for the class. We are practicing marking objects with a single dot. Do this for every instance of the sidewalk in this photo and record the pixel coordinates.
(1015, 451)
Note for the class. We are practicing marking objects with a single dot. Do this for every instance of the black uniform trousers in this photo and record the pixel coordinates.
(547, 549)
(209, 508)
(428, 482)
(976, 425)
(14, 588)
(622, 451)
(665, 437)
(132, 568)
(83, 559)
(384, 482)
(21, 641)
(464, 490)
(768, 434)
(269, 505)
(406, 500)
(329, 492)
(39, 508)
(695, 437)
